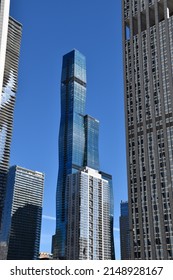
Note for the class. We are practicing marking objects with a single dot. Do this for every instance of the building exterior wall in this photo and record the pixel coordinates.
(88, 228)
(8, 96)
(91, 154)
(4, 17)
(22, 214)
(124, 232)
(108, 178)
(148, 80)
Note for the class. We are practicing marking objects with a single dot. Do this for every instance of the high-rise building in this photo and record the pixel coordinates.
(124, 231)
(4, 17)
(88, 227)
(148, 83)
(78, 142)
(108, 178)
(22, 213)
(8, 95)
(91, 153)
(71, 137)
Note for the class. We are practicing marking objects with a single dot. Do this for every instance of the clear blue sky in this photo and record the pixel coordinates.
(51, 29)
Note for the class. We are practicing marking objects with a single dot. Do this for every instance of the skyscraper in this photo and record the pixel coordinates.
(78, 140)
(148, 80)
(4, 17)
(8, 95)
(22, 213)
(88, 227)
(71, 136)
(124, 231)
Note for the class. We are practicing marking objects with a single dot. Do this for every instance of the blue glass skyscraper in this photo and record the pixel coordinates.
(71, 134)
(78, 139)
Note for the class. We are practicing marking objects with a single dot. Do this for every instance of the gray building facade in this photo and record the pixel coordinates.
(148, 82)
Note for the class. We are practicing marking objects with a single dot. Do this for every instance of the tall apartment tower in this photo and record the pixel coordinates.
(4, 17)
(124, 231)
(148, 81)
(22, 213)
(88, 227)
(8, 96)
(78, 141)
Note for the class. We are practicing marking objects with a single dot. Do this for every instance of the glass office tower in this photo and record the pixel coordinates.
(8, 96)
(22, 213)
(71, 135)
(78, 140)
(148, 81)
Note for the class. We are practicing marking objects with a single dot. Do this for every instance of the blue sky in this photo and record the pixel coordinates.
(51, 29)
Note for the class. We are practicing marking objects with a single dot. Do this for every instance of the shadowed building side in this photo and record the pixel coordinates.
(23, 213)
(124, 231)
